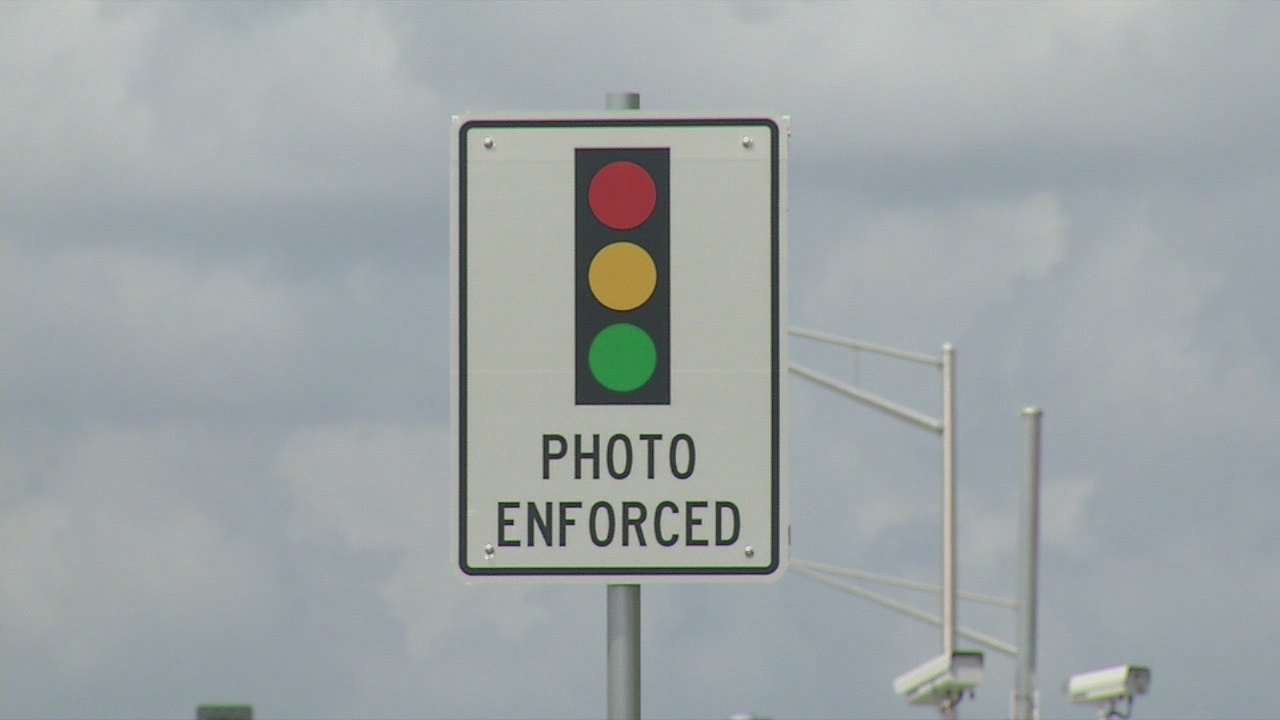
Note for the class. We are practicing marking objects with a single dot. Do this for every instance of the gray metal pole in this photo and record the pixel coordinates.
(622, 101)
(948, 499)
(1024, 681)
(624, 652)
(623, 613)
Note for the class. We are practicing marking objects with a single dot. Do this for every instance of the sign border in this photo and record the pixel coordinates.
(460, 348)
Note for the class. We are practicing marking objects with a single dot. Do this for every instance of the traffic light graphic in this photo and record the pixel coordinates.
(622, 276)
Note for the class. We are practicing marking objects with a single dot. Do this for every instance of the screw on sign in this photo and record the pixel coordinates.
(622, 250)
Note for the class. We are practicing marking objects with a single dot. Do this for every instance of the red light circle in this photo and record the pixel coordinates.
(622, 195)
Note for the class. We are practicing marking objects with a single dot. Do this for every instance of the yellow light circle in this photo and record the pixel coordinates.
(622, 276)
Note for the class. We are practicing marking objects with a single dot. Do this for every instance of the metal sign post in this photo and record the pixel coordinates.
(622, 614)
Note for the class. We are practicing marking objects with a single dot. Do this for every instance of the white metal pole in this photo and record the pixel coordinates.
(623, 611)
(902, 413)
(1024, 682)
(948, 499)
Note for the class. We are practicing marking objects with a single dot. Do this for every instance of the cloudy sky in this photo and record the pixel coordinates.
(226, 340)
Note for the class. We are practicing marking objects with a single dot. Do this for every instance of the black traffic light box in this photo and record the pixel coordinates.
(622, 276)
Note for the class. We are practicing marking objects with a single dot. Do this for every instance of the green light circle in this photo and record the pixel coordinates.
(622, 357)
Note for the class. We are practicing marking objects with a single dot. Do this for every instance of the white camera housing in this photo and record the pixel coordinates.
(941, 680)
(1115, 683)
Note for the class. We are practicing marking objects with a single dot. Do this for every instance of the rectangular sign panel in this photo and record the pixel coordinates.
(619, 346)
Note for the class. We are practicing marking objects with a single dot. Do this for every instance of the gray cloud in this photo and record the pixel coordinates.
(225, 358)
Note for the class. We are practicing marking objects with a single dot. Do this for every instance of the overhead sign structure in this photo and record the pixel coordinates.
(619, 346)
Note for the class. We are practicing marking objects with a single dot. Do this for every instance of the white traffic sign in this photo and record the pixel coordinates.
(619, 333)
